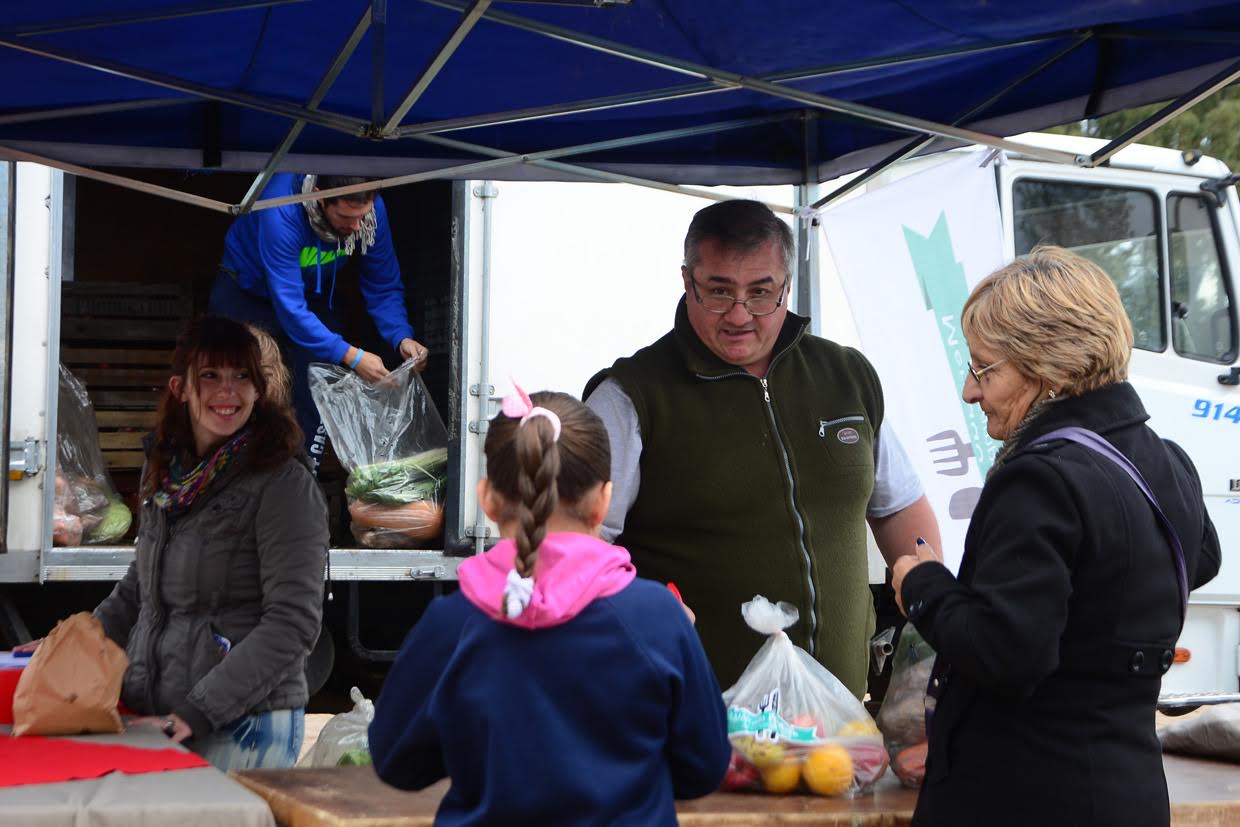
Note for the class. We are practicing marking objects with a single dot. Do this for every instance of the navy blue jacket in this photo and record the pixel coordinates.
(604, 719)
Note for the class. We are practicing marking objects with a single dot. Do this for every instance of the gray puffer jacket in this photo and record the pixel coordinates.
(245, 562)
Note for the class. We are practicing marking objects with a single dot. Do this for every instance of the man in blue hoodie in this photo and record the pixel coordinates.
(279, 272)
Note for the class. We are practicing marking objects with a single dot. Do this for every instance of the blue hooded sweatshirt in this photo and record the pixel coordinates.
(600, 708)
(276, 254)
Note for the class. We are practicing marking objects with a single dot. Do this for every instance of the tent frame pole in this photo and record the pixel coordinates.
(103, 22)
(1185, 101)
(917, 144)
(502, 158)
(294, 131)
(91, 109)
(725, 78)
(696, 89)
(13, 154)
(469, 18)
(339, 123)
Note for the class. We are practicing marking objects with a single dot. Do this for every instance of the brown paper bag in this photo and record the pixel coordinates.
(72, 683)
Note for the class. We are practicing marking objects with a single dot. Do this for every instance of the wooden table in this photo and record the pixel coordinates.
(1203, 794)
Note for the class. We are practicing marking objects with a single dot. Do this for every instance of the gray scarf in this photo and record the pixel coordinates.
(318, 222)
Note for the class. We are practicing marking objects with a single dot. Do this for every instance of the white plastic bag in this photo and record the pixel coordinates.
(791, 722)
(344, 736)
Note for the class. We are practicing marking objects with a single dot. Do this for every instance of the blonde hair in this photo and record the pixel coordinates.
(1057, 317)
(279, 381)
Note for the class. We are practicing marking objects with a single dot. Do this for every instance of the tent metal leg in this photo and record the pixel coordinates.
(92, 109)
(1180, 104)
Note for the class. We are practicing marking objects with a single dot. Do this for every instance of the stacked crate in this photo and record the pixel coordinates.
(117, 338)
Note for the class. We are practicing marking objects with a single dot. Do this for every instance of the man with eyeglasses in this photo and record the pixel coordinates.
(748, 455)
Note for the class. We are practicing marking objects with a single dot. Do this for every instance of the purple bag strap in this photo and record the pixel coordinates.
(1091, 440)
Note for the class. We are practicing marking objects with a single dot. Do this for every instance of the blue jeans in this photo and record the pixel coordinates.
(264, 740)
(229, 300)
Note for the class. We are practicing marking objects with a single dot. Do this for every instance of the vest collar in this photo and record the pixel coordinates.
(702, 361)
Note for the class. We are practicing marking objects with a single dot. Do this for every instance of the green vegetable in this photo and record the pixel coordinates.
(359, 757)
(400, 481)
(115, 521)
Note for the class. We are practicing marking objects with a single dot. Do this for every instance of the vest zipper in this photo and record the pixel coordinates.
(792, 494)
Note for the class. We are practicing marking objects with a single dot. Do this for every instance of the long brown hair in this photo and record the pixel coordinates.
(215, 340)
(535, 474)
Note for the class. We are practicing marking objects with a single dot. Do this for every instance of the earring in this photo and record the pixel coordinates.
(1050, 394)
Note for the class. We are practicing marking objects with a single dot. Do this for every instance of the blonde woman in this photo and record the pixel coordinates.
(1053, 638)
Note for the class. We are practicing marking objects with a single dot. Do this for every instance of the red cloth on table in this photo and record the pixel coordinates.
(8, 685)
(34, 759)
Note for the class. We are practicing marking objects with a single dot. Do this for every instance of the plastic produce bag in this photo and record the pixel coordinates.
(902, 718)
(73, 682)
(393, 443)
(343, 740)
(792, 724)
(87, 508)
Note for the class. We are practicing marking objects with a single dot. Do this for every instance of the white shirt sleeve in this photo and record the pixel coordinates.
(896, 484)
(616, 410)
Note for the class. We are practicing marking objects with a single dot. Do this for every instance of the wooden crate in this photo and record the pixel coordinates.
(118, 338)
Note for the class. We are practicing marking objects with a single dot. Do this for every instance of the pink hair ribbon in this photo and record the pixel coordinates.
(518, 404)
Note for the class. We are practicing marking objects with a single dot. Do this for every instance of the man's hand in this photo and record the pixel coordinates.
(409, 349)
(923, 553)
(371, 368)
(28, 647)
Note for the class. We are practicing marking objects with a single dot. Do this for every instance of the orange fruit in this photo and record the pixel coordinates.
(828, 770)
(781, 778)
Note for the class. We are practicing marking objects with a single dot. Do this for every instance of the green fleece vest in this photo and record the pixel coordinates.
(749, 490)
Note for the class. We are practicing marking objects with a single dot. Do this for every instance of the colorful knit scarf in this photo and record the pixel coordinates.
(181, 487)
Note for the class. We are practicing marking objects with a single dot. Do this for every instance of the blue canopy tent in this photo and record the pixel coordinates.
(662, 92)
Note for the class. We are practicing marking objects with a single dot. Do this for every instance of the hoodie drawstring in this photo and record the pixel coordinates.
(332, 294)
(318, 264)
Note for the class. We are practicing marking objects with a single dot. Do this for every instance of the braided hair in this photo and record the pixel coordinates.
(535, 474)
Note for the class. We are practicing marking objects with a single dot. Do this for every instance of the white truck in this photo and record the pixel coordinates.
(548, 282)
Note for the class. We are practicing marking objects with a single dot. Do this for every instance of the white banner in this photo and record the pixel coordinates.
(907, 255)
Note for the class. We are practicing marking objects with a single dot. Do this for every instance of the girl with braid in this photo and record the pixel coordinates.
(555, 687)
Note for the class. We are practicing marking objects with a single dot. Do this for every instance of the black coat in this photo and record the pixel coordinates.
(1046, 713)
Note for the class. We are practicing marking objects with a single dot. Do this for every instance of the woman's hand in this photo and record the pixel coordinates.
(922, 553)
(171, 725)
(409, 349)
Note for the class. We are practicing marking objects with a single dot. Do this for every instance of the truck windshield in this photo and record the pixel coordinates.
(1115, 227)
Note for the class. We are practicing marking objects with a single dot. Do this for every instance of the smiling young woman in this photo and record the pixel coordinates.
(231, 550)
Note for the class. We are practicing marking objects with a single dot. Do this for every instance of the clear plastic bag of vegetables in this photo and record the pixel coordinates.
(344, 740)
(902, 717)
(792, 724)
(393, 443)
(86, 508)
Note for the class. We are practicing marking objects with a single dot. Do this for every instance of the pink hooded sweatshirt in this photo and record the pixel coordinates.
(572, 570)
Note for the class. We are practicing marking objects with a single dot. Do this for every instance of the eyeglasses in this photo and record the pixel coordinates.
(978, 373)
(718, 300)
